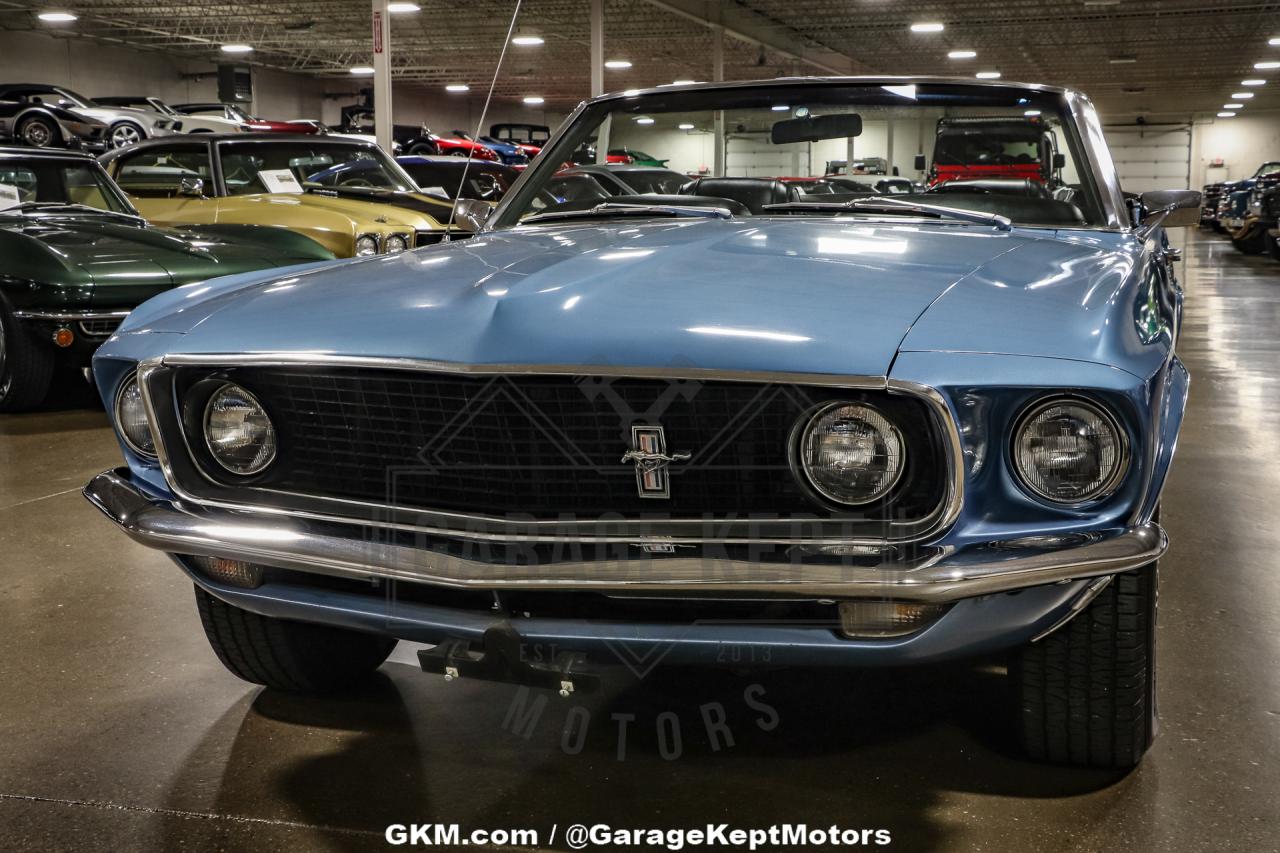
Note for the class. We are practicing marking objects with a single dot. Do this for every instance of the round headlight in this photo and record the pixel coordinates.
(1069, 451)
(131, 419)
(238, 432)
(366, 245)
(852, 454)
(396, 244)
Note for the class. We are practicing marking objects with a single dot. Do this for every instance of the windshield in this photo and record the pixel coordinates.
(748, 149)
(1267, 168)
(34, 182)
(987, 144)
(269, 166)
(485, 183)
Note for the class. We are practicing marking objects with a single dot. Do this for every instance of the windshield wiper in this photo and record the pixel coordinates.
(893, 205)
(614, 209)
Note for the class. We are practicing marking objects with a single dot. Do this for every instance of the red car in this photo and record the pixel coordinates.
(454, 146)
(976, 149)
(231, 112)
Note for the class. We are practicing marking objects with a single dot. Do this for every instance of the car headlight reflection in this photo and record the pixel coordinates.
(237, 431)
(1069, 451)
(852, 454)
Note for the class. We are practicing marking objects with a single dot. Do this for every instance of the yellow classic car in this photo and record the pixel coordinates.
(303, 183)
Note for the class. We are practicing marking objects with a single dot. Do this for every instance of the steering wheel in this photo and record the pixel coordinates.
(357, 182)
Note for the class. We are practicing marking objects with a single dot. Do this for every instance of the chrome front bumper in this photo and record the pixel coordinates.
(349, 550)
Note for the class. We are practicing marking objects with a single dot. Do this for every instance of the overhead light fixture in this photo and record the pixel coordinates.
(779, 108)
(685, 126)
(962, 54)
(237, 48)
(1241, 95)
(988, 75)
(1233, 106)
(1266, 66)
(1031, 113)
(927, 27)
(57, 17)
(533, 100)
(1274, 41)
(1123, 60)
(644, 120)
(457, 87)
(1253, 82)
(1226, 115)
(401, 8)
(618, 63)
(527, 40)
(362, 70)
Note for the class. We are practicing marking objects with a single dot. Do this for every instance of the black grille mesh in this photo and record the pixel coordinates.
(551, 446)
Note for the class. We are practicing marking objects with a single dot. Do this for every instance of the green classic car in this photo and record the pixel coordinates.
(75, 258)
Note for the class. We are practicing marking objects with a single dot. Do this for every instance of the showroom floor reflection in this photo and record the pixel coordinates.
(119, 729)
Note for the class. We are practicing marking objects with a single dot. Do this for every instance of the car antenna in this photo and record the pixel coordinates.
(484, 111)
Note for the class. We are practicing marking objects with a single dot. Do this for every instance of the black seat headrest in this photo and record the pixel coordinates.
(754, 193)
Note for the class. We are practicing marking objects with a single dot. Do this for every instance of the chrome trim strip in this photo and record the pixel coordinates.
(346, 550)
(1082, 601)
(71, 316)
(947, 512)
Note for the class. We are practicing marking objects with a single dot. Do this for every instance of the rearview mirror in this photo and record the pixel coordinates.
(1170, 208)
(190, 186)
(471, 213)
(920, 163)
(816, 128)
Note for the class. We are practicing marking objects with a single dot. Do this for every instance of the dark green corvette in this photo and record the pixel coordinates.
(75, 258)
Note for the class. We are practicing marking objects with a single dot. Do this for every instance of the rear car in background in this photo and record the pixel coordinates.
(37, 124)
(75, 258)
(1210, 196)
(981, 148)
(234, 113)
(729, 427)
(265, 179)
(528, 137)
(170, 119)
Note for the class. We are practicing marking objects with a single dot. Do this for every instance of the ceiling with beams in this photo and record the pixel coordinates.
(1158, 58)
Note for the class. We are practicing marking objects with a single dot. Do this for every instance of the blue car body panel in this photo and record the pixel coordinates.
(989, 319)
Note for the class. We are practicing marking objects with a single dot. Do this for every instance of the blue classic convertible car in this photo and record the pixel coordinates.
(726, 423)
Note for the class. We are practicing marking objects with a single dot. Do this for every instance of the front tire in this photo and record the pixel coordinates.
(26, 366)
(296, 657)
(126, 133)
(1086, 693)
(1250, 240)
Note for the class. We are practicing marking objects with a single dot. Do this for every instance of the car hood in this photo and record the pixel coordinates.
(112, 253)
(778, 295)
(266, 208)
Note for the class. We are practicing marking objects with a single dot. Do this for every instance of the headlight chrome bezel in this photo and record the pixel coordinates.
(801, 468)
(131, 381)
(377, 246)
(1108, 487)
(262, 465)
(404, 242)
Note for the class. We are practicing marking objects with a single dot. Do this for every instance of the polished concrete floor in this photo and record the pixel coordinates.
(120, 731)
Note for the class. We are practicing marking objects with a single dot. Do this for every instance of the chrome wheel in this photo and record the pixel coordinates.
(37, 133)
(123, 135)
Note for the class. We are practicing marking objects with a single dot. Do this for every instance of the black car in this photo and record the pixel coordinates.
(36, 122)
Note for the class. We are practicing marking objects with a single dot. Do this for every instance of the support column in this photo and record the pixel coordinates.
(597, 48)
(717, 75)
(382, 75)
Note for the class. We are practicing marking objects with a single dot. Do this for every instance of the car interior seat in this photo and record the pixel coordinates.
(752, 193)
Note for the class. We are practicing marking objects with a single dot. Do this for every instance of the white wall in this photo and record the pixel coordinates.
(1243, 142)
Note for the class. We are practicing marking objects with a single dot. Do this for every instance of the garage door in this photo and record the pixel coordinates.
(1151, 157)
(752, 155)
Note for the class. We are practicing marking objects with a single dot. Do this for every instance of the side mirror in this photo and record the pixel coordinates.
(189, 186)
(1059, 161)
(920, 163)
(1170, 208)
(472, 213)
